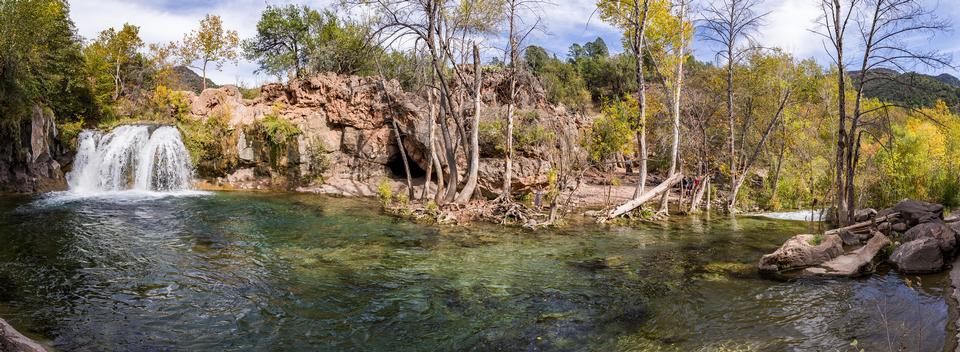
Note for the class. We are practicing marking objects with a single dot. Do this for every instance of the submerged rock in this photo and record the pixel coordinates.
(801, 251)
(918, 256)
(858, 262)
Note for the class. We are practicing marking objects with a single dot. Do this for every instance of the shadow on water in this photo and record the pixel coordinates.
(270, 271)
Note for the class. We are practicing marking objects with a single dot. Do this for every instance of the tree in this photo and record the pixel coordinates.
(113, 51)
(209, 44)
(729, 23)
(447, 31)
(283, 34)
(882, 25)
(40, 63)
(631, 16)
(669, 60)
(343, 47)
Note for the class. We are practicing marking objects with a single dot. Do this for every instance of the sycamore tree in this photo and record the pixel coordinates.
(632, 16)
(669, 35)
(210, 44)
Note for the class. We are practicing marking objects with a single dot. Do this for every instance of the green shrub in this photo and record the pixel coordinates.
(384, 193)
(278, 130)
(817, 240)
(69, 131)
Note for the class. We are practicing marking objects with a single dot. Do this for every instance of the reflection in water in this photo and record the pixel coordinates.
(236, 271)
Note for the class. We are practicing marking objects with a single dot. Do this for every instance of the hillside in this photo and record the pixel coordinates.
(912, 89)
(186, 79)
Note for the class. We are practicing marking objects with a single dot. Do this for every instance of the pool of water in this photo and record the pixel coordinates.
(295, 272)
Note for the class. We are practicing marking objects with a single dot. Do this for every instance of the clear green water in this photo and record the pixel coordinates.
(288, 272)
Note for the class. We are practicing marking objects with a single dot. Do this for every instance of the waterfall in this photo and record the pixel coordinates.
(131, 158)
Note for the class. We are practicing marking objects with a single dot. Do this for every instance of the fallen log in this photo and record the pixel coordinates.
(643, 198)
(863, 225)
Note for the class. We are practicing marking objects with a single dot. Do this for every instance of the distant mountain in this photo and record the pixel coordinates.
(185, 79)
(949, 79)
(911, 89)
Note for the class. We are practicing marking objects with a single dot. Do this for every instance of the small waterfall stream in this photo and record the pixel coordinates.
(131, 157)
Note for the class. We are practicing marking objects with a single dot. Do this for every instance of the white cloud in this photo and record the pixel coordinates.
(788, 26)
(564, 22)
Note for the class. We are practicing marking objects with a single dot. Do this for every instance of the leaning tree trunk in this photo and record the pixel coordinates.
(474, 167)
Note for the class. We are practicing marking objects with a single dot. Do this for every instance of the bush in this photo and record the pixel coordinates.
(69, 131)
(277, 130)
(209, 143)
(384, 193)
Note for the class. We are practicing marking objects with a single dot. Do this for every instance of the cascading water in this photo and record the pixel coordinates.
(131, 158)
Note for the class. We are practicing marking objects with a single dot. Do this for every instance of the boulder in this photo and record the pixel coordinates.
(800, 251)
(850, 238)
(913, 212)
(945, 236)
(864, 214)
(918, 256)
(858, 262)
(899, 227)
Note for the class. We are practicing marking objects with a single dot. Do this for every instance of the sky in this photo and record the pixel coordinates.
(787, 25)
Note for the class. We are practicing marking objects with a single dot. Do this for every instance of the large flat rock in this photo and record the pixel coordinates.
(858, 262)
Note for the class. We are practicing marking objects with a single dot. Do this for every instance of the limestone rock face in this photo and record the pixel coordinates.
(347, 132)
(799, 252)
(32, 166)
(918, 256)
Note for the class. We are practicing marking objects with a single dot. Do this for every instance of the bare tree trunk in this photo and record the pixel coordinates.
(438, 196)
(732, 125)
(508, 162)
(675, 100)
(430, 151)
(204, 72)
(776, 174)
(403, 156)
(638, 37)
(709, 190)
(756, 151)
(697, 196)
(474, 167)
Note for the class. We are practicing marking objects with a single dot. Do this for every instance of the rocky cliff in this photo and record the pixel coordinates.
(28, 160)
(343, 131)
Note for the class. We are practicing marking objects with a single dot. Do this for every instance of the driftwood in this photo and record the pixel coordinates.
(866, 225)
(643, 198)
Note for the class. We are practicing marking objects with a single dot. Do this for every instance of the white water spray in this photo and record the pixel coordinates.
(131, 158)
